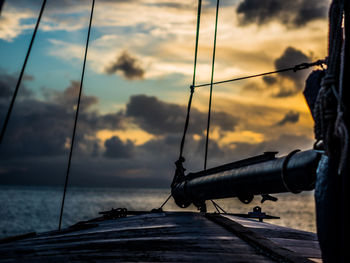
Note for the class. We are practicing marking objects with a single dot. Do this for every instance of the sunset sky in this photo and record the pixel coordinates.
(136, 87)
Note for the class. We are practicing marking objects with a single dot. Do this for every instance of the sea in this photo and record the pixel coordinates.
(26, 209)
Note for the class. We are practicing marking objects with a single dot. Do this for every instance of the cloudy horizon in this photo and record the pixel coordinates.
(136, 86)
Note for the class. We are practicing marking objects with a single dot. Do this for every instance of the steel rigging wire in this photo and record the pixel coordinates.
(76, 115)
(19, 81)
(193, 80)
(294, 68)
(211, 85)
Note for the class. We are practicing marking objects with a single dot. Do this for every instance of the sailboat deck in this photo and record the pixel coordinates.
(166, 237)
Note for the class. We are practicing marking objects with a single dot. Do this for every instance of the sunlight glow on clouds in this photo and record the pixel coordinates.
(137, 136)
(12, 25)
(139, 68)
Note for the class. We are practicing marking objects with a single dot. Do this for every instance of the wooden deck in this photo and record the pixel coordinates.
(165, 237)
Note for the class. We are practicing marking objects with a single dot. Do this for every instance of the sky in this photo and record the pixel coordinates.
(136, 86)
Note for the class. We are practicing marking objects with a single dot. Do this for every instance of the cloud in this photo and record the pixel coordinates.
(36, 146)
(69, 97)
(284, 84)
(67, 15)
(43, 128)
(138, 25)
(270, 80)
(284, 144)
(127, 65)
(158, 117)
(115, 148)
(289, 117)
(152, 164)
(13, 23)
(292, 57)
(289, 13)
(36, 129)
(8, 83)
(37, 142)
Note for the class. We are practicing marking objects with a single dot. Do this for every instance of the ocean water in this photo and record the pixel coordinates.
(27, 209)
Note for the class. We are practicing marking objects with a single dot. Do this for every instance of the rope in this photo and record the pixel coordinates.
(329, 122)
(341, 130)
(19, 81)
(211, 85)
(186, 123)
(217, 207)
(193, 80)
(295, 69)
(76, 115)
(166, 201)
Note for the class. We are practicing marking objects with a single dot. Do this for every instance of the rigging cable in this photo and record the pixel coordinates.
(193, 80)
(295, 68)
(19, 81)
(166, 201)
(217, 207)
(76, 115)
(211, 85)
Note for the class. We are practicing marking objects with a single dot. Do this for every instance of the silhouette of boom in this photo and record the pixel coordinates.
(264, 174)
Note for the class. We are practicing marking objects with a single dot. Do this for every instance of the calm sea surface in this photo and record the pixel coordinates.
(27, 209)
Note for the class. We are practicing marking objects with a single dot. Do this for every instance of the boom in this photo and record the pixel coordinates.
(259, 175)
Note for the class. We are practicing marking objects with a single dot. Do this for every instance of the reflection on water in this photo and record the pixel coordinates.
(26, 209)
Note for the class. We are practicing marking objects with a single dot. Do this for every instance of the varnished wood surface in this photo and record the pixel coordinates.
(158, 237)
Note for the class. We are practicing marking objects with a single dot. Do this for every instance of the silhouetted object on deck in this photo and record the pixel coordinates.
(260, 175)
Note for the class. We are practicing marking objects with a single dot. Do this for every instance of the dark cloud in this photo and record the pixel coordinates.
(158, 117)
(173, 5)
(152, 166)
(287, 83)
(290, 13)
(291, 57)
(44, 128)
(69, 97)
(224, 121)
(252, 87)
(270, 80)
(166, 149)
(116, 148)
(284, 144)
(36, 146)
(8, 83)
(284, 92)
(127, 65)
(289, 117)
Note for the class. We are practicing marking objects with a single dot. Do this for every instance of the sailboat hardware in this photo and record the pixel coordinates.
(260, 175)
(198, 187)
(254, 176)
